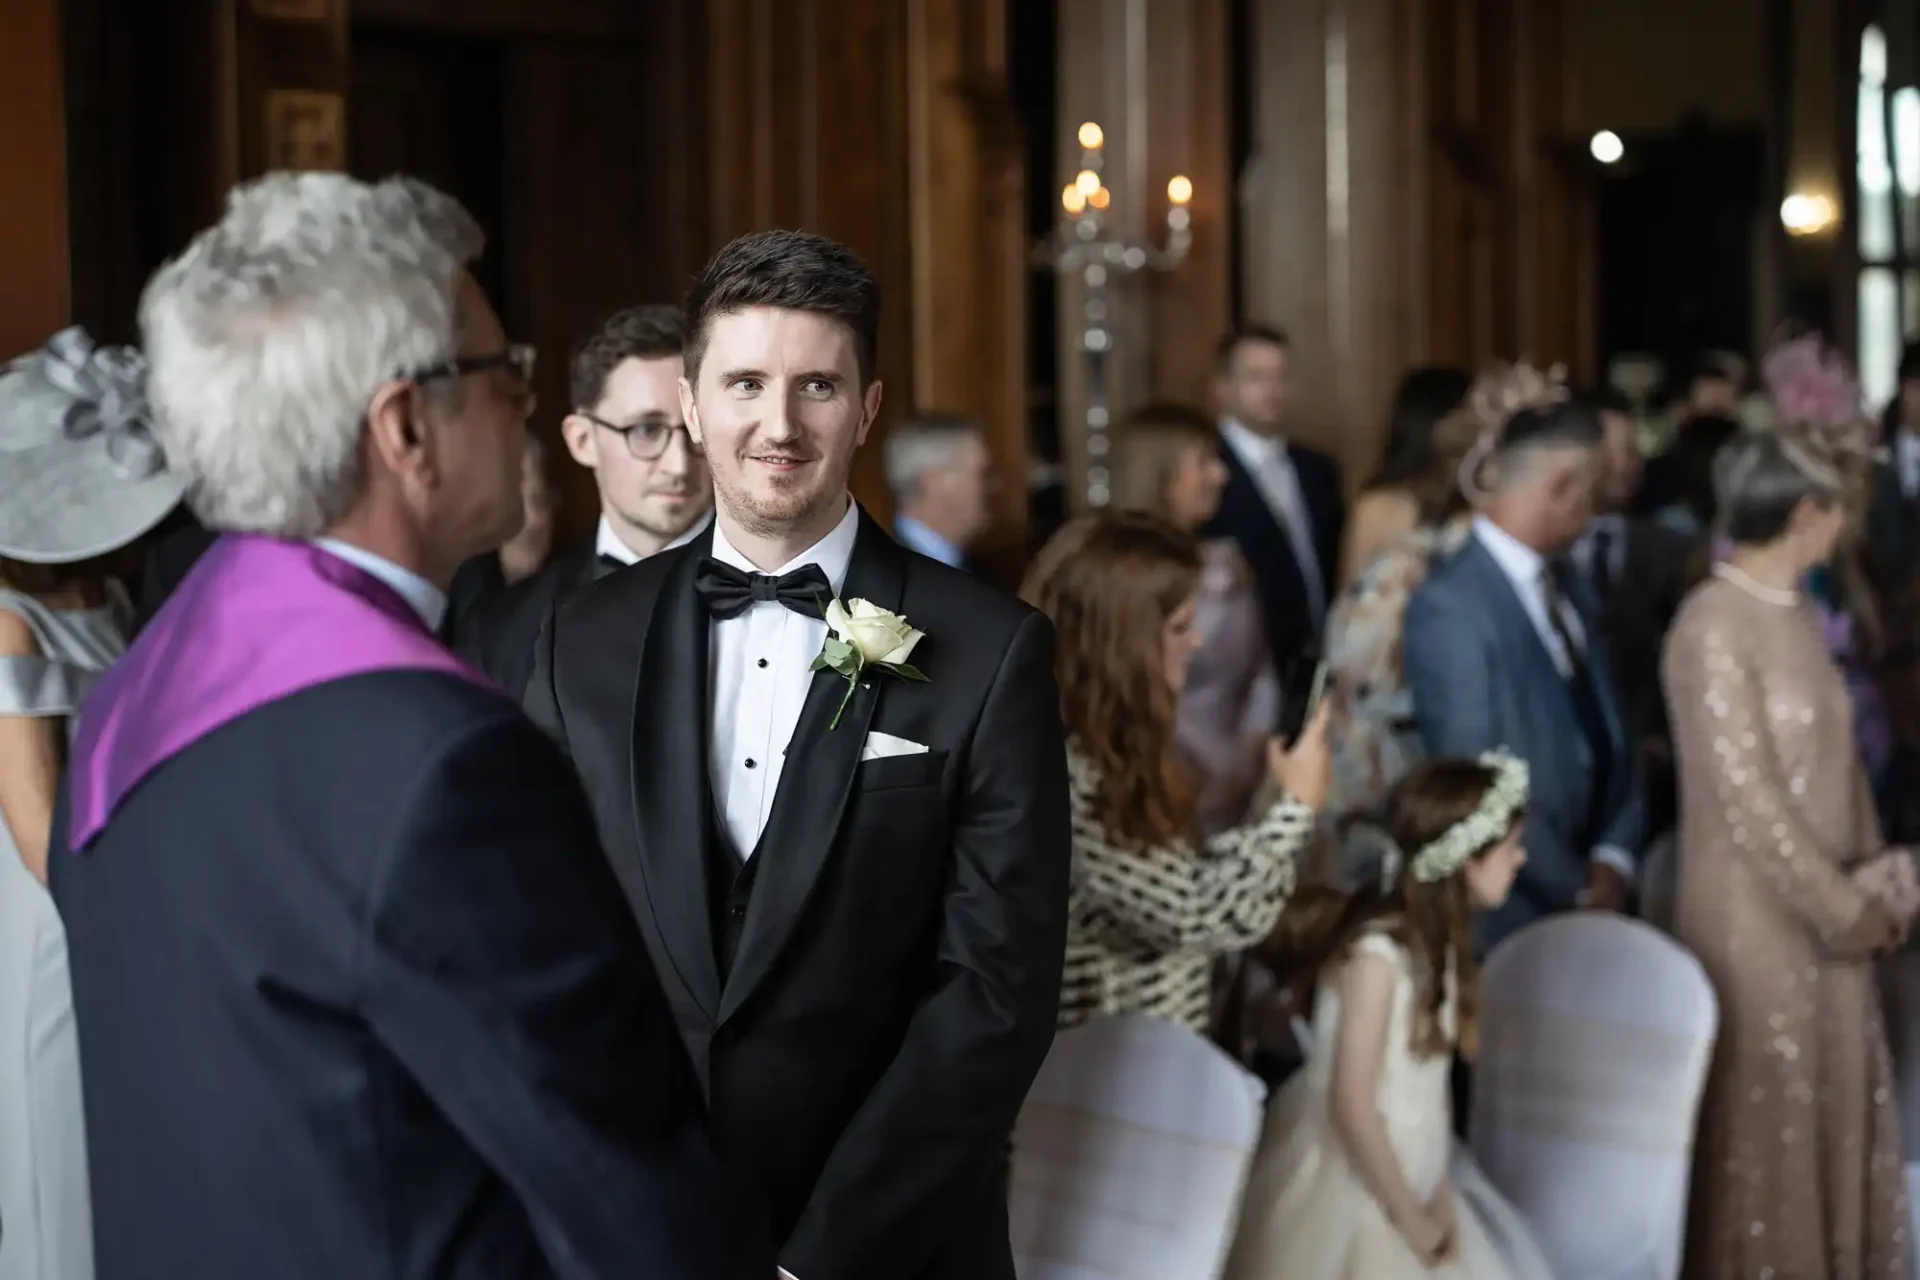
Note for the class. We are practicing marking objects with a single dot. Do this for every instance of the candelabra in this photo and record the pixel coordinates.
(1082, 244)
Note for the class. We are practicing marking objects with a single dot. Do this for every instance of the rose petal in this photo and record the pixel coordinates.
(904, 649)
(837, 619)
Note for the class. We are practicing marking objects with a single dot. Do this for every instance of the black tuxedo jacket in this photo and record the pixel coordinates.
(898, 969)
(500, 639)
(357, 997)
(1893, 525)
(1658, 566)
(1245, 517)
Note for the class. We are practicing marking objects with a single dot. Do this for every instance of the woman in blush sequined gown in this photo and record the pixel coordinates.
(1797, 1162)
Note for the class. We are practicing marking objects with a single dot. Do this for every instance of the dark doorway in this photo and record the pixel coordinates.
(1677, 226)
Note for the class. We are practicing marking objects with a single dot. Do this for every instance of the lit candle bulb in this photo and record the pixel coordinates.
(1180, 189)
(1091, 138)
(1098, 197)
(1087, 182)
(1073, 200)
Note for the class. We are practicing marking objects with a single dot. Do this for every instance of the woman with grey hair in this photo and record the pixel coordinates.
(1785, 894)
(84, 479)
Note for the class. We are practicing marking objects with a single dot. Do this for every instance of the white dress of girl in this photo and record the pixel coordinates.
(1308, 1214)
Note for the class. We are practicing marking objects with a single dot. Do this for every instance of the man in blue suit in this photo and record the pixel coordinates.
(1502, 649)
(356, 991)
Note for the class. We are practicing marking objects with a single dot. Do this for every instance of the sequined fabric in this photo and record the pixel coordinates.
(1797, 1169)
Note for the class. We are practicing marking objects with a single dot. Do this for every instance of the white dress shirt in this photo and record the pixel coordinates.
(1526, 569)
(1271, 466)
(760, 678)
(427, 600)
(607, 543)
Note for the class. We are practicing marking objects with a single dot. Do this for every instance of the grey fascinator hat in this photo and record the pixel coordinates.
(80, 472)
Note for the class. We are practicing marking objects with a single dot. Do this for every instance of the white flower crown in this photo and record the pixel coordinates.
(1491, 819)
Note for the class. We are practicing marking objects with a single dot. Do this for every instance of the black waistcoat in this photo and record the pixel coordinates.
(730, 880)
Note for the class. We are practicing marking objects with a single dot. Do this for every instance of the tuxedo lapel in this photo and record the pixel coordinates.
(815, 781)
(670, 784)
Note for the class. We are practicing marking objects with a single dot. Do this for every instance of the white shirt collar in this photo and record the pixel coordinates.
(1520, 562)
(832, 553)
(607, 543)
(427, 600)
(1254, 449)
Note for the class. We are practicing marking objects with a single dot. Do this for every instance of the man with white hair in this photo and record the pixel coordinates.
(355, 990)
(941, 474)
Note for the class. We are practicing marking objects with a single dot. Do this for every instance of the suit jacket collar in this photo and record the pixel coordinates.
(672, 792)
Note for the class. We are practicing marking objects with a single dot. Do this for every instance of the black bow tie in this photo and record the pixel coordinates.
(729, 592)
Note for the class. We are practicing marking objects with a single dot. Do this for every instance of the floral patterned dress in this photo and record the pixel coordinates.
(1370, 710)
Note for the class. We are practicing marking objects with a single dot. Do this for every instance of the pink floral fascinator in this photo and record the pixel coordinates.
(1819, 410)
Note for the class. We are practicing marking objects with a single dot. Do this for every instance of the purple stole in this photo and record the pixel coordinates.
(257, 620)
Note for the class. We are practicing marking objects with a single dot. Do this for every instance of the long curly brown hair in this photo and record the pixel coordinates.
(1432, 920)
(1110, 582)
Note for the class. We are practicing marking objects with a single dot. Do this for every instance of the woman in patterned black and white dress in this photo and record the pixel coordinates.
(1152, 905)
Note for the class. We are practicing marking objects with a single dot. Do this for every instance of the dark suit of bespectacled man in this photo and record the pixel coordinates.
(855, 892)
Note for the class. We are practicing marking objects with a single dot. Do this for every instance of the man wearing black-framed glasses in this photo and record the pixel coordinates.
(627, 428)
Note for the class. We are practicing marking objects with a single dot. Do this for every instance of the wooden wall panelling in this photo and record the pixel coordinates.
(33, 216)
(588, 222)
(1189, 100)
(969, 244)
(810, 130)
(1331, 197)
(290, 84)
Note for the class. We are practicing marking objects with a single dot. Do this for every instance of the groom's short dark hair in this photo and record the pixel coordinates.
(793, 271)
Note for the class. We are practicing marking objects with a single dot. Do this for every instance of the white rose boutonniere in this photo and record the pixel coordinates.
(861, 634)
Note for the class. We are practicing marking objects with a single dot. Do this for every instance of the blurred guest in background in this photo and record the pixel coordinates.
(84, 478)
(941, 476)
(1153, 905)
(627, 428)
(1894, 518)
(1504, 651)
(1391, 507)
(1798, 1163)
(1372, 725)
(1690, 505)
(1639, 570)
(1168, 465)
(1283, 503)
(1711, 394)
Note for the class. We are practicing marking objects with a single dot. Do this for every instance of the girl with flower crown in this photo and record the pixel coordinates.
(1358, 1177)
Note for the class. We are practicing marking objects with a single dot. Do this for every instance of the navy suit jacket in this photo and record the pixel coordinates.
(1481, 679)
(1244, 516)
(357, 995)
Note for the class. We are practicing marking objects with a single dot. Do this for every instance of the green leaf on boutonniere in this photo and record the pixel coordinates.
(905, 670)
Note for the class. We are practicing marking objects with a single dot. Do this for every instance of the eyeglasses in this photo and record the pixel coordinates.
(646, 441)
(517, 358)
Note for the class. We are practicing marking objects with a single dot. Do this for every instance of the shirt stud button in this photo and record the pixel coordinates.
(763, 662)
(750, 762)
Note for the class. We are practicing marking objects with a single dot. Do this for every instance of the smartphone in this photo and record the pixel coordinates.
(1300, 695)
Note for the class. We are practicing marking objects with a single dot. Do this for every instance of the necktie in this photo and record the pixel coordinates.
(1557, 607)
(729, 592)
(1601, 562)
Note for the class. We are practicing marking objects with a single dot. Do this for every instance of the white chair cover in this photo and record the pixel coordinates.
(1131, 1155)
(1595, 1035)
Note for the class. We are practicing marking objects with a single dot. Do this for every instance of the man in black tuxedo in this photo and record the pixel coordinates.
(855, 890)
(1283, 503)
(626, 427)
(352, 981)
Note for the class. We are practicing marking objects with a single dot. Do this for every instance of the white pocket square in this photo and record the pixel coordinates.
(879, 746)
